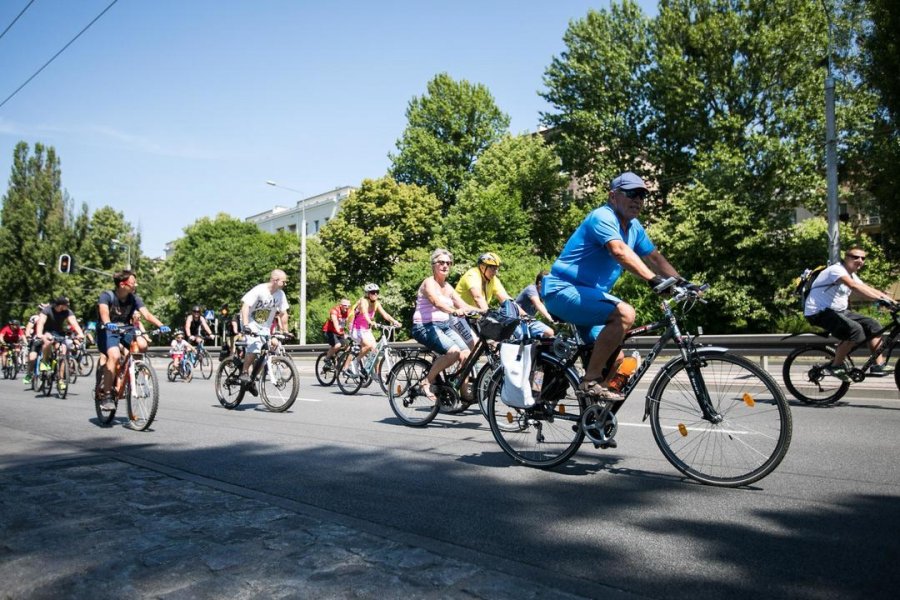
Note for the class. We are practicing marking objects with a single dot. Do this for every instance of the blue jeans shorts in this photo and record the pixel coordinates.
(438, 337)
(585, 307)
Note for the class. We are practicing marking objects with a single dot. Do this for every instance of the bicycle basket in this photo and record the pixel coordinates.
(496, 325)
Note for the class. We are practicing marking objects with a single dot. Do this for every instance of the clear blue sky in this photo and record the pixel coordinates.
(170, 110)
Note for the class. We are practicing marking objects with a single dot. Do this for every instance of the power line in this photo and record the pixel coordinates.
(36, 73)
(16, 19)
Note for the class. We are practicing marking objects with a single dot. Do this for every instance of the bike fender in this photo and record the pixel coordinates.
(704, 351)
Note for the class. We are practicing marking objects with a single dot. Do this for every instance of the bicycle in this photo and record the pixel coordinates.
(377, 366)
(183, 369)
(134, 381)
(718, 418)
(200, 359)
(83, 359)
(59, 373)
(274, 378)
(804, 369)
(406, 396)
(11, 364)
(327, 368)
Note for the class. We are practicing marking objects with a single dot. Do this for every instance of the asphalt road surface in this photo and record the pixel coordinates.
(825, 524)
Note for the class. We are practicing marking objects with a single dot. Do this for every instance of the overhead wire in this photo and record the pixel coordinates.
(8, 27)
(46, 64)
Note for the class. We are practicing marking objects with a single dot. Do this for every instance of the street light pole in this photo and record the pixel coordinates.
(831, 178)
(127, 247)
(302, 333)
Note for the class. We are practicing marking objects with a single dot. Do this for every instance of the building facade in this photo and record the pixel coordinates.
(320, 209)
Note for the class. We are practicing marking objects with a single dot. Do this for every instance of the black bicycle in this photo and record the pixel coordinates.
(273, 377)
(718, 418)
(807, 379)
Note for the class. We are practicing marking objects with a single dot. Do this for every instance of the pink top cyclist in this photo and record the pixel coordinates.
(364, 315)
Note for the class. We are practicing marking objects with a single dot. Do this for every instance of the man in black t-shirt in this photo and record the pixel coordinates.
(51, 328)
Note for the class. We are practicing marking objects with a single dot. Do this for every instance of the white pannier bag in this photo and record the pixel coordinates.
(517, 360)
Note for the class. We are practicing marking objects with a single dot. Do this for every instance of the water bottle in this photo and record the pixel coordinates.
(626, 369)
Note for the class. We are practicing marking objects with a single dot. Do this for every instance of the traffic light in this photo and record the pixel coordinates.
(66, 264)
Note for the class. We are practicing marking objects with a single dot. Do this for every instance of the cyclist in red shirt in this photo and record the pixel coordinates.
(334, 329)
(10, 335)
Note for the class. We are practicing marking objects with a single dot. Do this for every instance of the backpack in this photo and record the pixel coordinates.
(804, 284)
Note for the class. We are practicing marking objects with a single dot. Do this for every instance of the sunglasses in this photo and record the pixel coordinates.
(449, 263)
(635, 194)
(856, 257)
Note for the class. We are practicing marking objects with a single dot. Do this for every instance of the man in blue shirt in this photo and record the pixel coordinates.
(608, 241)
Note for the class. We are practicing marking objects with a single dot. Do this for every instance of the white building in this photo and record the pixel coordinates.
(320, 209)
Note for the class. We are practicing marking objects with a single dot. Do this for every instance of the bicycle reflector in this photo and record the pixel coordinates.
(66, 264)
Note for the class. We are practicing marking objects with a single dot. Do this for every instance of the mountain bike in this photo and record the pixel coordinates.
(405, 394)
(134, 382)
(351, 376)
(718, 418)
(59, 373)
(804, 369)
(273, 378)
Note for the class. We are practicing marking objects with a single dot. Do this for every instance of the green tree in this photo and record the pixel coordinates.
(218, 260)
(375, 227)
(448, 128)
(33, 230)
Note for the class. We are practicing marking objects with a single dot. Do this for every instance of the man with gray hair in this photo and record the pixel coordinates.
(259, 308)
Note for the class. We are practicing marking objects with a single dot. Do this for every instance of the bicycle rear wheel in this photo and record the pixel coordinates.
(405, 396)
(104, 416)
(544, 435)
(143, 399)
(748, 442)
(806, 379)
(228, 384)
(205, 364)
(326, 371)
(279, 383)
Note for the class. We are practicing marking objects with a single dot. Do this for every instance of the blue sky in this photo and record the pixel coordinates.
(171, 110)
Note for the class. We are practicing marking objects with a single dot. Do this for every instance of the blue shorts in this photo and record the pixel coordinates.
(107, 339)
(438, 337)
(585, 307)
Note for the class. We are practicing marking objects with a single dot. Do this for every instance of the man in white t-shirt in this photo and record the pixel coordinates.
(264, 297)
(827, 307)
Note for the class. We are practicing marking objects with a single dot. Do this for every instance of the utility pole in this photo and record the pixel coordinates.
(831, 178)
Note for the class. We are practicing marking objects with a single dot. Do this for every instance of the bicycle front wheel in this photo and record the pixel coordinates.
(205, 364)
(383, 367)
(483, 385)
(228, 384)
(71, 369)
(348, 382)
(749, 434)
(85, 364)
(544, 435)
(806, 379)
(325, 369)
(279, 383)
(405, 396)
(143, 399)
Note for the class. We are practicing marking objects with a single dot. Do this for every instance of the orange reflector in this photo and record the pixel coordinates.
(509, 417)
(399, 389)
(748, 400)
(561, 409)
(682, 429)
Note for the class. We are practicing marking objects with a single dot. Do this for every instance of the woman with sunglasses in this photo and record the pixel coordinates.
(362, 316)
(608, 241)
(827, 307)
(436, 301)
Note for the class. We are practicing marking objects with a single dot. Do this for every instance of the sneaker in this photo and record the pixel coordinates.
(245, 378)
(61, 385)
(881, 370)
(107, 403)
(27, 379)
(598, 392)
(329, 363)
(610, 443)
(44, 366)
(839, 372)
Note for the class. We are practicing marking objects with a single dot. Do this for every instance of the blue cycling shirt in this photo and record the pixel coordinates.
(585, 260)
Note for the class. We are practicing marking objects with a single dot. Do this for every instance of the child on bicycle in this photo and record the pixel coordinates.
(179, 348)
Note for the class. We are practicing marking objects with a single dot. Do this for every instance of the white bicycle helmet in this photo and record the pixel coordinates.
(371, 287)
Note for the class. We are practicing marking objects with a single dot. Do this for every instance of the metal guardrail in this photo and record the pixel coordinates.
(767, 344)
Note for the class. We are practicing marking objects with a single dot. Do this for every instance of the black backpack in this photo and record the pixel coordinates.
(804, 284)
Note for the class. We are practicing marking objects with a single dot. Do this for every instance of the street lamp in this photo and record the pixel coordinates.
(302, 336)
(122, 244)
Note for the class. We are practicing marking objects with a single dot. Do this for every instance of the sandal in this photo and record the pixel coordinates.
(425, 388)
(598, 392)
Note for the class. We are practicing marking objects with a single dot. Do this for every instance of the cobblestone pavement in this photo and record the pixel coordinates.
(97, 527)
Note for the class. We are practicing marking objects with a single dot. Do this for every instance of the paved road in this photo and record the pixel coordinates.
(337, 499)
